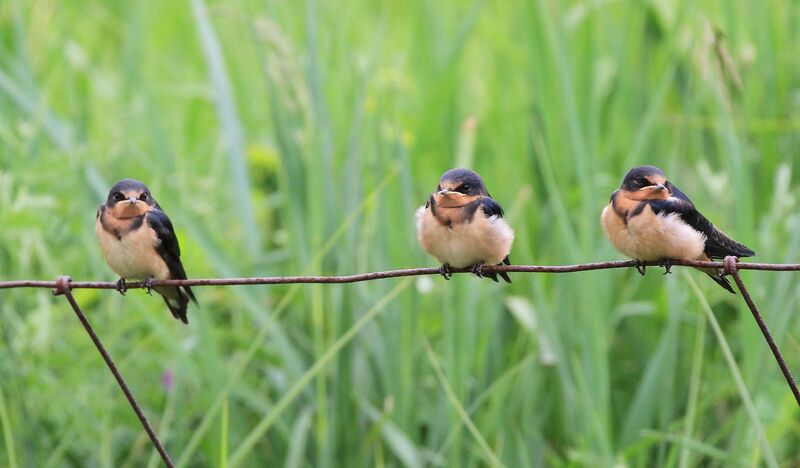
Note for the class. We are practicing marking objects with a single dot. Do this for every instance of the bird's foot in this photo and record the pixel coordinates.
(477, 270)
(444, 270)
(640, 266)
(667, 264)
(148, 285)
(120, 286)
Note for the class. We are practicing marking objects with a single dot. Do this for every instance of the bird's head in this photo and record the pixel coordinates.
(646, 183)
(459, 187)
(129, 198)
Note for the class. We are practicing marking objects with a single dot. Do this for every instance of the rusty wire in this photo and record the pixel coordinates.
(396, 273)
(63, 288)
(732, 268)
(64, 285)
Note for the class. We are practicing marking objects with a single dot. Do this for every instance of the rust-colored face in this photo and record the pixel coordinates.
(458, 187)
(129, 207)
(658, 190)
(129, 199)
(645, 183)
(453, 195)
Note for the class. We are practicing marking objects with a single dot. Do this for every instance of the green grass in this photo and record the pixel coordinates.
(285, 138)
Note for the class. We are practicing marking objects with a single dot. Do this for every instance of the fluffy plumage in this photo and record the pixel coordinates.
(650, 219)
(462, 226)
(138, 242)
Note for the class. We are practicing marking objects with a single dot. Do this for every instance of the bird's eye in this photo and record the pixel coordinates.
(143, 196)
(118, 196)
(465, 188)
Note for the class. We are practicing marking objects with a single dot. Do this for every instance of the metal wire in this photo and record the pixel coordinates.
(396, 273)
(63, 288)
(64, 284)
(732, 268)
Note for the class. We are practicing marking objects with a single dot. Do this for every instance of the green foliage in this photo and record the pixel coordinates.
(299, 137)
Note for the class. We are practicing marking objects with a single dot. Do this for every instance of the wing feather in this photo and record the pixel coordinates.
(491, 207)
(718, 245)
(170, 251)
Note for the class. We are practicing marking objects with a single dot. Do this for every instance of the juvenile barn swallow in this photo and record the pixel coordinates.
(138, 242)
(650, 219)
(463, 227)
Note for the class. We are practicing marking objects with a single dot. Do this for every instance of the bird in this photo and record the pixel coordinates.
(650, 219)
(139, 242)
(462, 226)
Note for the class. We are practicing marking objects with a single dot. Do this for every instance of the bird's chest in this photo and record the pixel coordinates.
(456, 242)
(647, 236)
(134, 254)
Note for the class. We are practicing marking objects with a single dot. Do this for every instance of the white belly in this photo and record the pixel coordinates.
(648, 236)
(134, 256)
(483, 240)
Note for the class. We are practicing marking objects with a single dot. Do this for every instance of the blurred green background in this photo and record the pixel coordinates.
(285, 138)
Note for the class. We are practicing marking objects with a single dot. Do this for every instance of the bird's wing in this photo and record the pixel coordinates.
(676, 192)
(490, 207)
(168, 247)
(718, 245)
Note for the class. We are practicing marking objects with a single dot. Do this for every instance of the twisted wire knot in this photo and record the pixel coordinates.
(62, 285)
(729, 265)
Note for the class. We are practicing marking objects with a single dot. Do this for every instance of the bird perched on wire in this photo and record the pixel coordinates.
(650, 219)
(138, 242)
(462, 226)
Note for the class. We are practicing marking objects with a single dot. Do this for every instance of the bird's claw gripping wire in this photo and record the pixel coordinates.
(444, 270)
(120, 286)
(148, 285)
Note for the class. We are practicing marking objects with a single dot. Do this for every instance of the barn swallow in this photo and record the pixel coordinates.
(138, 242)
(462, 226)
(650, 219)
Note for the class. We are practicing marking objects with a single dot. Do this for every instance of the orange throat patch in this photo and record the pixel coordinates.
(126, 210)
(453, 201)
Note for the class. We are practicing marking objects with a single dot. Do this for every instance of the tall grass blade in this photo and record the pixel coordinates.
(744, 393)
(232, 130)
(8, 433)
(263, 426)
(489, 454)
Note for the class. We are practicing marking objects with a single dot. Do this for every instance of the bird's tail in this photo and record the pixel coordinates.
(503, 274)
(716, 275)
(177, 299)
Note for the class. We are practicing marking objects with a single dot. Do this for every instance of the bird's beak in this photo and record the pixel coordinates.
(660, 187)
(445, 192)
(133, 200)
